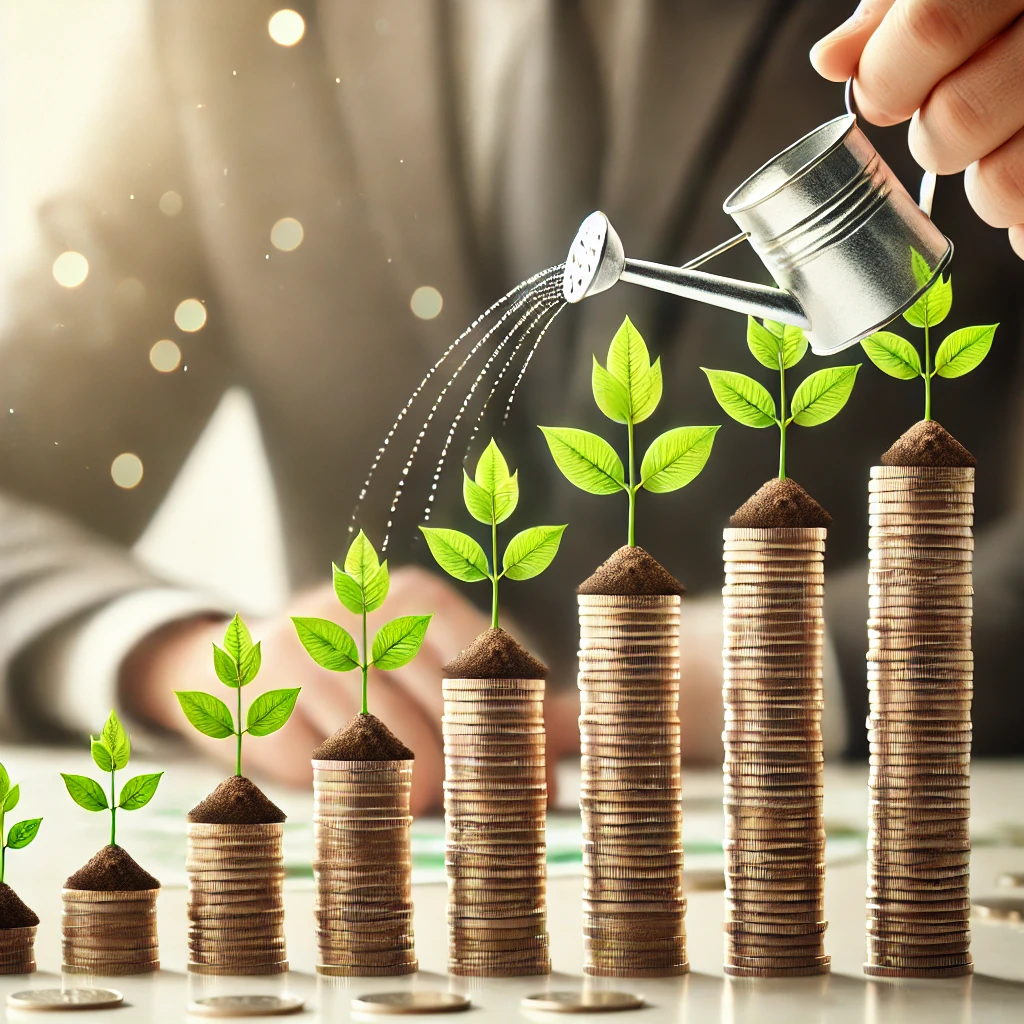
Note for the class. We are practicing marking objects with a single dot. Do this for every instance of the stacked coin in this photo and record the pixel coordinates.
(17, 950)
(235, 903)
(495, 802)
(363, 867)
(920, 671)
(633, 906)
(110, 932)
(774, 835)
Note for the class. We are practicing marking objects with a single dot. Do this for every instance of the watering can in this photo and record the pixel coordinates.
(829, 220)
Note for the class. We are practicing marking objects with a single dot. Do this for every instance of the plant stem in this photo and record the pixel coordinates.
(632, 487)
(3, 846)
(238, 745)
(927, 373)
(494, 571)
(113, 811)
(366, 660)
(782, 420)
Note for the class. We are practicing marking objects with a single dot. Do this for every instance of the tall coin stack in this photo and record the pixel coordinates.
(17, 950)
(495, 800)
(633, 907)
(920, 670)
(774, 835)
(235, 902)
(363, 867)
(110, 932)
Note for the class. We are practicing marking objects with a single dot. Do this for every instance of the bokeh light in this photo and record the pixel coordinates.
(126, 470)
(165, 356)
(170, 204)
(426, 302)
(286, 27)
(70, 269)
(287, 234)
(190, 315)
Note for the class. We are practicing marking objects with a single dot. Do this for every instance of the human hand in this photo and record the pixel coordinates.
(956, 70)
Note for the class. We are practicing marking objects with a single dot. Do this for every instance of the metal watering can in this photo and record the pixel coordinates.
(829, 220)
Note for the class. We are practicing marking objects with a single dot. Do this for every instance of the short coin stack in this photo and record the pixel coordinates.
(774, 835)
(235, 903)
(633, 907)
(920, 670)
(495, 799)
(110, 932)
(363, 867)
(17, 950)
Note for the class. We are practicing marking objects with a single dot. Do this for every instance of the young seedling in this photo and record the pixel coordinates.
(491, 496)
(959, 353)
(362, 587)
(237, 664)
(628, 391)
(20, 834)
(780, 347)
(111, 750)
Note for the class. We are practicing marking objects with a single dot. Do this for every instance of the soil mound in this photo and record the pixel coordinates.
(112, 870)
(631, 571)
(928, 443)
(237, 801)
(495, 654)
(780, 503)
(365, 738)
(14, 913)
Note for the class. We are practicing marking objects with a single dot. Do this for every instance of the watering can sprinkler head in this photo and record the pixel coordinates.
(595, 261)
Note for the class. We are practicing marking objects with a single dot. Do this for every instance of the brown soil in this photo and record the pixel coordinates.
(14, 913)
(631, 572)
(237, 801)
(780, 503)
(112, 870)
(495, 654)
(928, 443)
(365, 738)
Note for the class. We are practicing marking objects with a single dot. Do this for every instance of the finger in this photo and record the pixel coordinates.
(835, 56)
(1017, 239)
(974, 110)
(995, 184)
(917, 44)
(421, 680)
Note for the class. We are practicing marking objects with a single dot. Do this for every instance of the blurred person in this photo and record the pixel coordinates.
(457, 144)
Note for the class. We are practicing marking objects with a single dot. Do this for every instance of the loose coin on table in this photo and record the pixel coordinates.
(583, 1002)
(411, 1002)
(245, 1006)
(50, 999)
(1003, 908)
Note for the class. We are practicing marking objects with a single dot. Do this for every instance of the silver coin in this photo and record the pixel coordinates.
(50, 999)
(423, 1001)
(583, 1002)
(245, 1006)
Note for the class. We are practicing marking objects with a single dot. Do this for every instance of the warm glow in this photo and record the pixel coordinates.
(426, 302)
(190, 315)
(165, 356)
(286, 234)
(70, 269)
(126, 470)
(170, 204)
(286, 27)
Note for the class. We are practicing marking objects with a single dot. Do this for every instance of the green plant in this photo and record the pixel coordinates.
(111, 751)
(491, 496)
(780, 347)
(959, 352)
(628, 391)
(362, 587)
(237, 664)
(20, 834)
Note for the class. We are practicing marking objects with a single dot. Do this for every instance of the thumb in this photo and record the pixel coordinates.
(836, 56)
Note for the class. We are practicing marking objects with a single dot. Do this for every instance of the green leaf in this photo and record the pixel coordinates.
(742, 397)
(506, 498)
(137, 792)
(629, 362)
(226, 669)
(270, 710)
(892, 355)
(85, 792)
(458, 554)
(101, 756)
(12, 798)
(115, 738)
(919, 266)
(586, 460)
(963, 350)
(397, 642)
(487, 507)
(377, 587)
(794, 346)
(822, 395)
(237, 641)
(765, 344)
(676, 457)
(209, 714)
(933, 306)
(529, 553)
(5, 782)
(251, 663)
(610, 393)
(329, 645)
(350, 594)
(491, 468)
(361, 562)
(22, 833)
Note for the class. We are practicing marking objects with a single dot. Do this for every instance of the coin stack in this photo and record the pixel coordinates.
(363, 867)
(110, 932)
(235, 903)
(633, 906)
(495, 801)
(17, 950)
(774, 835)
(920, 670)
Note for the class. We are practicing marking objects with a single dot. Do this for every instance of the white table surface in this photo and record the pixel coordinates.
(994, 994)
